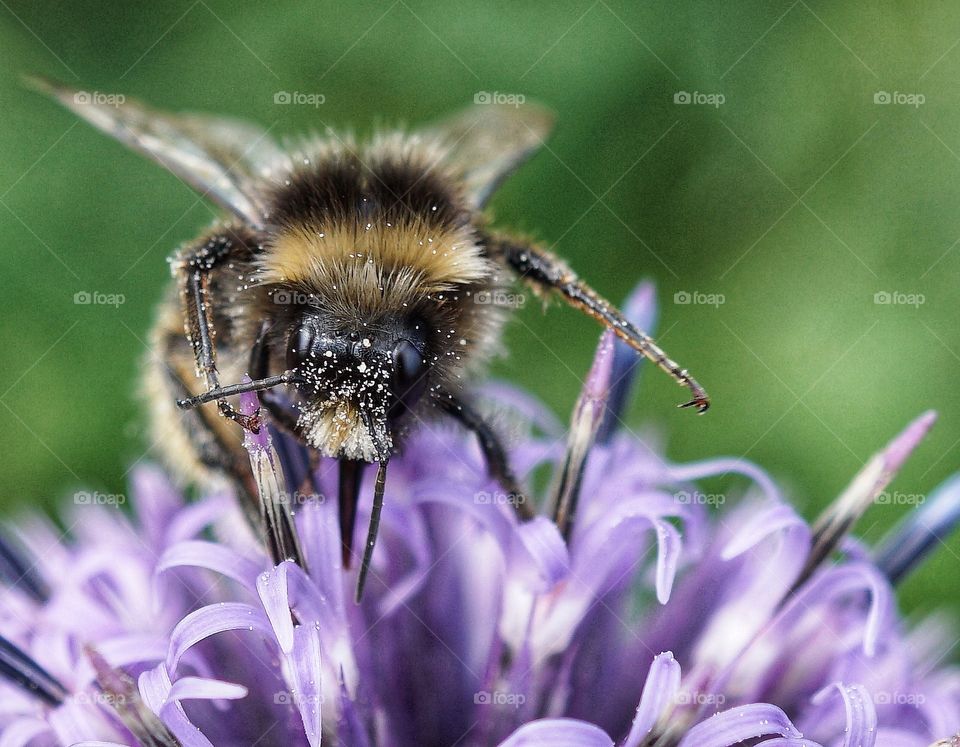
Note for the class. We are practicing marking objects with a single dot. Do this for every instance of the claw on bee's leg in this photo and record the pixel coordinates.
(250, 423)
(700, 399)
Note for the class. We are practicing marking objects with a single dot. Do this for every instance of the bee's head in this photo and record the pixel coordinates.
(356, 381)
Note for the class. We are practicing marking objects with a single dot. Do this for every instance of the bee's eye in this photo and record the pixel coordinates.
(301, 345)
(409, 374)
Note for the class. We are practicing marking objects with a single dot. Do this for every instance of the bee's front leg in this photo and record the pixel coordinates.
(545, 272)
(194, 271)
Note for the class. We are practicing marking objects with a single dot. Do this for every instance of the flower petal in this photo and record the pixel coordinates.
(202, 688)
(275, 597)
(584, 426)
(76, 722)
(198, 516)
(155, 686)
(558, 732)
(305, 670)
(22, 731)
(156, 503)
(350, 729)
(212, 556)
(640, 309)
(287, 587)
(210, 620)
(776, 519)
(920, 531)
(837, 582)
(525, 405)
(861, 728)
(726, 465)
(596, 562)
(737, 724)
(839, 518)
(541, 555)
(409, 529)
(659, 691)
(669, 546)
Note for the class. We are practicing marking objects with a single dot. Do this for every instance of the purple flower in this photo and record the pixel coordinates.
(634, 610)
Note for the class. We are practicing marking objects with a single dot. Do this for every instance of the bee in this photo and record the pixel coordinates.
(346, 278)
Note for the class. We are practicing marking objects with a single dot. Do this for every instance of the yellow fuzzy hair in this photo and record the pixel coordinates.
(441, 258)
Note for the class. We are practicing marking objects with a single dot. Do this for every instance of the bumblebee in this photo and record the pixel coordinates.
(347, 280)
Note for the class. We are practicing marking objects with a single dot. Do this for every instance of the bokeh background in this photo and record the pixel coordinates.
(787, 172)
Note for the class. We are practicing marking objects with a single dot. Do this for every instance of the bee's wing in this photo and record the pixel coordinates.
(488, 142)
(221, 158)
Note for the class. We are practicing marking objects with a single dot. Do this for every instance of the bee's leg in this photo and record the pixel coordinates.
(273, 523)
(283, 412)
(214, 450)
(296, 462)
(493, 451)
(289, 439)
(194, 279)
(219, 449)
(544, 271)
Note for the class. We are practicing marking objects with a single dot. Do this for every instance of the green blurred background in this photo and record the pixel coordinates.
(794, 201)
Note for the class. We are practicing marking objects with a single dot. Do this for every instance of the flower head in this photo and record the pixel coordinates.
(633, 610)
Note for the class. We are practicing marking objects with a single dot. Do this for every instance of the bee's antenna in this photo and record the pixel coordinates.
(287, 377)
(372, 530)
